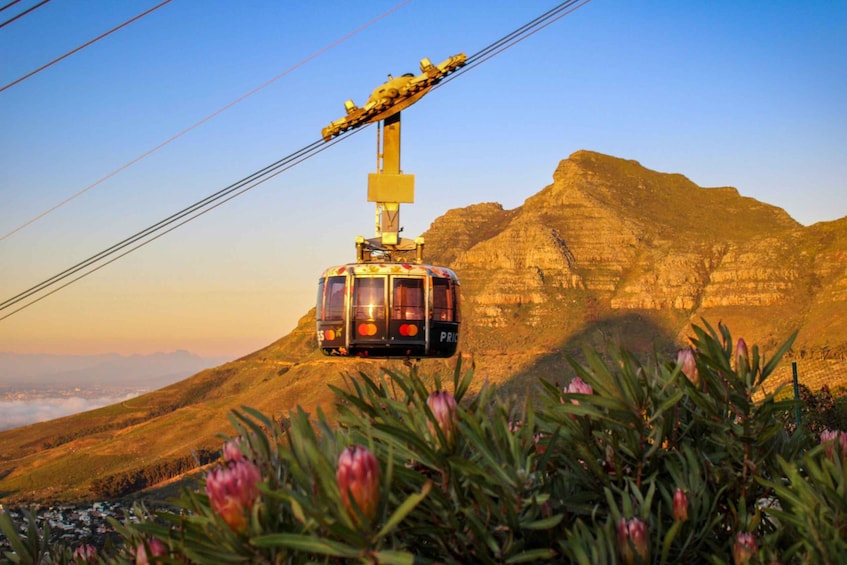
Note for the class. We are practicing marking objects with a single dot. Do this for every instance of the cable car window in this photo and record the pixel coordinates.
(369, 298)
(443, 300)
(333, 303)
(408, 301)
(319, 303)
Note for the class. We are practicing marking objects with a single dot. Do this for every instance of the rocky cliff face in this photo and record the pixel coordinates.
(611, 240)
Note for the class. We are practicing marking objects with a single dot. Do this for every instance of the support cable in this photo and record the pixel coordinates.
(9, 5)
(83, 46)
(207, 118)
(22, 14)
(236, 189)
(257, 177)
(512, 39)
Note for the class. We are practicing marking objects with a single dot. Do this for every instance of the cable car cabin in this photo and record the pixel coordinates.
(388, 310)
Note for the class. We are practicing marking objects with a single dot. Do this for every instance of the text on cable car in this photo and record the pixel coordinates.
(449, 337)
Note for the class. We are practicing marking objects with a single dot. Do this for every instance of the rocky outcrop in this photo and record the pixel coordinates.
(610, 237)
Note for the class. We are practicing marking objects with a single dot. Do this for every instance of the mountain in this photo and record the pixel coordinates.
(609, 239)
(610, 252)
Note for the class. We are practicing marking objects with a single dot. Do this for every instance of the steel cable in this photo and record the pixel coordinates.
(294, 158)
(22, 14)
(255, 179)
(83, 46)
(206, 119)
(236, 189)
(9, 5)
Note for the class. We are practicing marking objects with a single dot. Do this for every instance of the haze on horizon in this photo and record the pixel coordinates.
(748, 95)
(37, 388)
(17, 413)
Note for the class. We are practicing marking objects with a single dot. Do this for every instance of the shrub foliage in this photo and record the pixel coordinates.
(665, 461)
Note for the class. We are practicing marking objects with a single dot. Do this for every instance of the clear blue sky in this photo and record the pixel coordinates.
(747, 94)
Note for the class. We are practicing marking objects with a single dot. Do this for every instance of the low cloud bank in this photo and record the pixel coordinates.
(16, 413)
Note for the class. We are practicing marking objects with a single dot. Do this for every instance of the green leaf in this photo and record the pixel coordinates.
(771, 365)
(545, 524)
(669, 403)
(395, 557)
(532, 555)
(668, 541)
(460, 387)
(404, 509)
(308, 544)
(13, 538)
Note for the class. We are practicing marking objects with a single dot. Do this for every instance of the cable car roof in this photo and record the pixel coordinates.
(412, 269)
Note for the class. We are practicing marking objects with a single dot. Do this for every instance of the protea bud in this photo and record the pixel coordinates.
(232, 450)
(443, 407)
(685, 359)
(233, 492)
(745, 548)
(680, 505)
(155, 548)
(742, 357)
(358, 479)
(578, 386)
(831, 439)
(609, 465)
(85, 554)
(632, 540)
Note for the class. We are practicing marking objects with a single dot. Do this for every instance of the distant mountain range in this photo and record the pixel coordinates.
(83, 371)
(609, 253)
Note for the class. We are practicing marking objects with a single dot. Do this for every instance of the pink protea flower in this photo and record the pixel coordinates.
(443, 407)
(680, 505)
(632, 540)
(742, 357)
(745, 548)
(578, 386)
(832, 438)
(85, 553)
(233, 491)
(232, 450)
(686, 360)
(156, 549)
(358, 479)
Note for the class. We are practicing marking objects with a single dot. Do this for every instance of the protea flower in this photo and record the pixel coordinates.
(358, 479)
(745, 548)
(831, 438)
(85, 554)
(232, 450)
(632, 540)
(685, 359)
(742, 357)
(156, 549)
(578, 386)
(443, 407)
(233, 490)
(680, 505)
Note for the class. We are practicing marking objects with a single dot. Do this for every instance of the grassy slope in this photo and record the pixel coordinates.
(141, 431)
